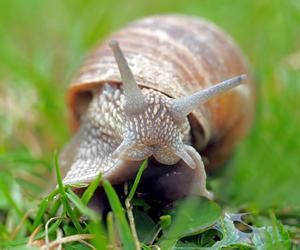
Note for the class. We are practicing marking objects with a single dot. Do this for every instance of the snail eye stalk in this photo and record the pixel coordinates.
(134, 99)
(182, 107)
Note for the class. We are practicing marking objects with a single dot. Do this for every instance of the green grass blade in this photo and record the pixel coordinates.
(59, 178)
(137, 179)
(123, 227)
(42, 208)
(14, 205)
(89, 192)
(4, 234)
(41, 212)
(51, 229)
(64, 198)
(73, 217)
(55, 206)
(100, 240)
(8, 244)
(11, 201)
(111, 230)
(81, 206)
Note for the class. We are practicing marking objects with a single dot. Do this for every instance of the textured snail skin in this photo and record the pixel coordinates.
(170, 57)
(104, 127)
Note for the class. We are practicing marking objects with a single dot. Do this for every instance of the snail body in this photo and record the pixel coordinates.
(157, 96)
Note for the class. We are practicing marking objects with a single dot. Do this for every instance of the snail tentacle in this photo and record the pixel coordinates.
(185, 156)
(193, 159)
(135, 102)
(185, 105)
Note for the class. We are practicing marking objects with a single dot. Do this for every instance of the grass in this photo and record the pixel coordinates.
(41, 45)
(75, 224)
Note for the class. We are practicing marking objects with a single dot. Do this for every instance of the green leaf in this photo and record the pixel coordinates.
(145, 226)
(280, 233)
(231, 236)
(145, 247)
(122, 224)
(165, 221)
(191, 215)
(274, 237)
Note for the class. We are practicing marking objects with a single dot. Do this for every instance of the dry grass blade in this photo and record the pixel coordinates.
(128, 205)
(47, 226)
(87, 244)
(68, 239)
(32, 236)
(132, 224)
(22, 222)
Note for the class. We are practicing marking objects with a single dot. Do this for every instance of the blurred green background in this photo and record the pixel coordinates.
(43, 42)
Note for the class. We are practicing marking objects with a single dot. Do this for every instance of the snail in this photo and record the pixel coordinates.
(166, 87)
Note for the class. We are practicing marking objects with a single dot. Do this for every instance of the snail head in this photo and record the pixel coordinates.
(156, 124)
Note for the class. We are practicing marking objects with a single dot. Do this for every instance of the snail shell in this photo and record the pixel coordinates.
(171, 57)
